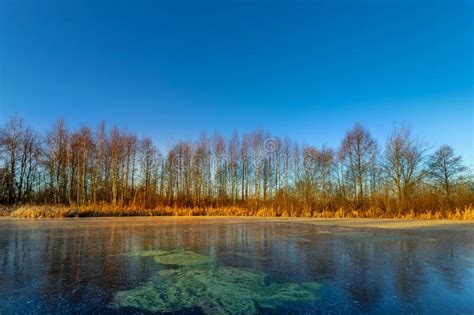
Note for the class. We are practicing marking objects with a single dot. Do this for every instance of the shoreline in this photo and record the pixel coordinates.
(394, 224)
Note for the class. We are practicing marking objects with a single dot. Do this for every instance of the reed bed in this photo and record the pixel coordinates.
(45, 211)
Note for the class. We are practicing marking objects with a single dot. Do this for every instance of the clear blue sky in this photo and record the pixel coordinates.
(304, 69)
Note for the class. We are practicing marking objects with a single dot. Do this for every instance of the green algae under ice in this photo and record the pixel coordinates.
(177, 257)
(199, 282)
(183, 258)
(148, 253)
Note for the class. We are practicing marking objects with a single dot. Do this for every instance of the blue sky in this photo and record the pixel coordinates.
(304, 69)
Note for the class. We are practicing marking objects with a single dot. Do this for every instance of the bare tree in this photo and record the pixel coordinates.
(57, 161)
(445, 170)
(358, 151)
(19, 147)
(403, 165)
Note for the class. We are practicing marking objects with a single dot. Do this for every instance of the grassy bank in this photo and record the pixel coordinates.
(45, 211)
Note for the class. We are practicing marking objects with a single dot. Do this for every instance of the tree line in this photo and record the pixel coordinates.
(110, 166)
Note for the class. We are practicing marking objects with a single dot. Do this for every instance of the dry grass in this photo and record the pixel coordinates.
(5, 211)
(29, 211)
(45, 211)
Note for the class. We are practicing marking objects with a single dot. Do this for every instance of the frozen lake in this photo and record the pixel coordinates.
(229, 265)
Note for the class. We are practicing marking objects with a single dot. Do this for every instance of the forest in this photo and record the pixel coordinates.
(109, 171)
